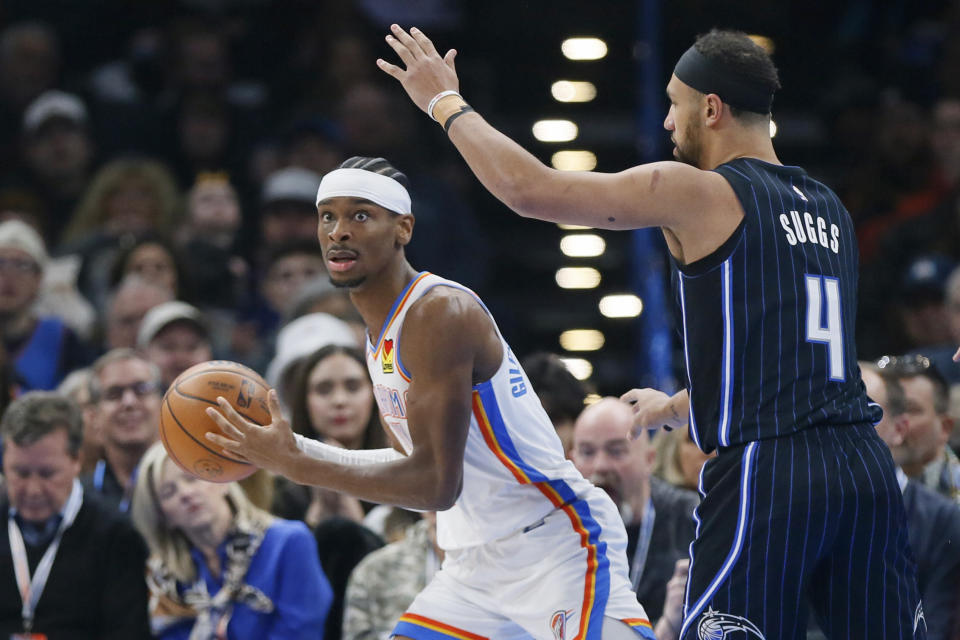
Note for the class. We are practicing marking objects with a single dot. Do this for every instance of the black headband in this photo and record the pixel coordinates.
(706, 76)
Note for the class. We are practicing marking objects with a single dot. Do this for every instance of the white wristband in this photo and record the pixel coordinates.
(320, 451)
(437, 98)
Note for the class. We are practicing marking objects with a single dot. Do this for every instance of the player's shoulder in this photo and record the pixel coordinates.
(446, 303)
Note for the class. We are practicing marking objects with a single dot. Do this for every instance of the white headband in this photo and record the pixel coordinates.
(360, 183)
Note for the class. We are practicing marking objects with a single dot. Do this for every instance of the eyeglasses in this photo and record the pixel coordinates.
(18, 265)
(140, 389)
(909, 365)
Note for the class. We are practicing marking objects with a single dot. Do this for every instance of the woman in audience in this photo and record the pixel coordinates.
(678, 459)
(331, 399)
(220, 567)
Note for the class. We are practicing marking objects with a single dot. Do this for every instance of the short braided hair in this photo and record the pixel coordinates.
(376, 165)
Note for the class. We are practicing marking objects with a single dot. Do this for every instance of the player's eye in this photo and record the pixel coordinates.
(361, 216)
(326, 216)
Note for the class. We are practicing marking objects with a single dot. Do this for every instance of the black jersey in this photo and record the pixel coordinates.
(768, 318)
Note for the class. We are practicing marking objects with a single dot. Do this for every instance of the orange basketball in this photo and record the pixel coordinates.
(184, 420)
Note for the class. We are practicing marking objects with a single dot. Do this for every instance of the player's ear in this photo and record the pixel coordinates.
(713, 108)
(405, 224)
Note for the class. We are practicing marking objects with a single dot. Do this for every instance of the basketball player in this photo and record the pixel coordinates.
(532, 550)
(802, 499)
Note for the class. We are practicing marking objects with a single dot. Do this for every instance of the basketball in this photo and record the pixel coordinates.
(184, 420)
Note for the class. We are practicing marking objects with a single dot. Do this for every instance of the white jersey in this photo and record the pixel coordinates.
(514, 469)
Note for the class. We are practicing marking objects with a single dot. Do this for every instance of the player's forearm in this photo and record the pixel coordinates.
(677, 410)
(407, 482)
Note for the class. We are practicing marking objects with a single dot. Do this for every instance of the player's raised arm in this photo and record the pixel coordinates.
(668, 194)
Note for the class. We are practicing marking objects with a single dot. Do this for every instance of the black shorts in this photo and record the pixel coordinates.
(811, 519)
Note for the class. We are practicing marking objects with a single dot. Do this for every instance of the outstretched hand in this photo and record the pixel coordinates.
(426, 73)
(269, 447)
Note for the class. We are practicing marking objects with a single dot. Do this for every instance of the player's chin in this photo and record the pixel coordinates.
(345, 282)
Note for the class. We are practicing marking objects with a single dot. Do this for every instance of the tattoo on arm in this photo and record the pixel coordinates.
(673, 411)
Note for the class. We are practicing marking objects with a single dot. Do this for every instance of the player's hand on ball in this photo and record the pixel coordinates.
(426, 73)
(269, 447)
(650, 409)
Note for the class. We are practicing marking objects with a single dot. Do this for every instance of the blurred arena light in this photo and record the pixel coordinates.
(584, 48)
(582, 245)
(573, 91)
(577, 278)
(555, 130)
(574, 160)
(582, 340)
(592, 398)
(773, 128)
(580, 368)
(572, 227)
(621, 306)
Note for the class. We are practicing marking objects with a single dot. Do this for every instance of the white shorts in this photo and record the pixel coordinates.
(554, 580)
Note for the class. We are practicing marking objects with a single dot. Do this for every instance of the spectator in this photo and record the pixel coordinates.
(923, 315)
(288, 207)
(288, 268)
(385, 583)
(560, 393)
(126, 197)
(29, 65)
(941, 356)
(76, 386)
(58, 154)
(130, 301)
(300, 338)
(43, 348)
(208, 242)
(221, 567)
(94, 588)
(678, 459)
(174, 336)
(154, 259)
(924, 454)
(125, 392)
(319, 296)
(342, 544)
(657, 515)
(933, 521)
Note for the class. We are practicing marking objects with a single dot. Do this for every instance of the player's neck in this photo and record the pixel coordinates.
(375, 298)
(730, 147)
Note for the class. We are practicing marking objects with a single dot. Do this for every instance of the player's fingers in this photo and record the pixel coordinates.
(405, 54)
(231, 414)
(226, 444)
(412, 45)
(956, 356)
(273, 404)
(226, 425)
(450, 59)
(424, 42)
(390, 69)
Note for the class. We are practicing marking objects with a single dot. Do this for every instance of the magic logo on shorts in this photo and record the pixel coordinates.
(720, 626)
(386, 357)
(558, 623)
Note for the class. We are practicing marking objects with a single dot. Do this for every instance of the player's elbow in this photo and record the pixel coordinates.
(526, 194)
(444, 496)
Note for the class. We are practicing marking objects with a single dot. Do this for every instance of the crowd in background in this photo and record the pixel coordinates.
(157, 186)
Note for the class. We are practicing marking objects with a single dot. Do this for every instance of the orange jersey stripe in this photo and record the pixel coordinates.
(590, 580)
(436, 625)
(386, 328)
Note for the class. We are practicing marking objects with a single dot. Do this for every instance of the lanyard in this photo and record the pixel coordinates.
(643, 545)
(31, 589)
(100, 472)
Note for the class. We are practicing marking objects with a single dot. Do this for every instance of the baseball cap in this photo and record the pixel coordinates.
(926, 276)
(53, 104)
(291, 184)
(303, 336)
(16, 234)
(165, 314)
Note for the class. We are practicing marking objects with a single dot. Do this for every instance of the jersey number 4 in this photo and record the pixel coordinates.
(820, 290)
